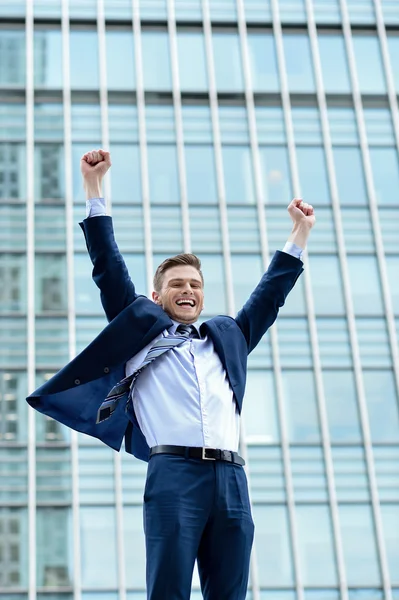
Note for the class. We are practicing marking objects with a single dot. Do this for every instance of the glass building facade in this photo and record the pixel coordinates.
(216, 112)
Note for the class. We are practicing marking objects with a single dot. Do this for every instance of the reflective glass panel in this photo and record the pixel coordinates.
(120, 60)
(365, 285)
(156, 60)
(260, 408)
(98, 530)
(275, 172)
(334, 64)
(14, 546)
(393, 47)
(369, 64)
(214, 288)
(163, 174)
(87, 295)
(298, 63)
(393, 272)
(334, 345)
(13, 411)
(83, 53)
(385, 166)
(247, 271)
(12, 57)
(350, 176)
(201, 174)
(54, 547)
(126, 173)
(12, 171)
(313, 175)
(373, 342)
(13, 283)
(133, 537)
(238, 175)
(390, 520)
(382, 405)
(327, 285)
(49, 172)
(342, 409)
(228, 67)
(48, 58)
(51, 292)
(192, 61)
(263, 62)
(166, 225)
(205, 229)
(300, 404)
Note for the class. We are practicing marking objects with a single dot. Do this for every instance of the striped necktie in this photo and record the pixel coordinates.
(161, 346)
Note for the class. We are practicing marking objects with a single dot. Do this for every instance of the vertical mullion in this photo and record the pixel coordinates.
(77, 586)
(393, 103)
(30, 259)
(385, 291)
(178, 124)
(145, 187)
(280, 392)
(107, 191)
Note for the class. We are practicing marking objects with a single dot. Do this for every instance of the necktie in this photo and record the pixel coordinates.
(161, 346)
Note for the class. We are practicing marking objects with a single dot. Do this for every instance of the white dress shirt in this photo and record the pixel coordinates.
(184, 397)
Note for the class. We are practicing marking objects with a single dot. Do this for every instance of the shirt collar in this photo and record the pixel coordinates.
(172, 329)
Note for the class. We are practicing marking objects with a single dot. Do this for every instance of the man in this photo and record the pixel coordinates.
(174, 390)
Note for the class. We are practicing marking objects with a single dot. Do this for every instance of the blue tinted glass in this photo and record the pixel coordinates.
(393, 47)
(334, 343)
(166, 229)
(238, 175)
(327, 285)
(373, 342)
(223, 10)
(51, 292)
(12, 57)
(390, 519)
(163, 174)
(133, 537)
(334, 64)
(48, 58)
(298, 63)
(126, 176)
(361, 11)
(327, 11)
(260, 412)
(83, 52)
(271, 525)
(200, 174)
(350, 176)
(341, 403)
(49, 171)
(301, 408)
(359, 544)
(120, 60)
(247, 271)
(369, 64)
(192, 61)
(393, 271)
(14, 537)
(382, 405)
(228, 67)
(365, 285)
(313, 175)
(98, 530)
(54, 560)
(87, 297)
(316, 547)
(156, 60)
(13, 170)
(292, 10)
(215, 289)
(385, 166)
(263, 62)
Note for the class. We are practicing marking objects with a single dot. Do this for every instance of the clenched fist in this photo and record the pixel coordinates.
(303, 217)
(93, 166)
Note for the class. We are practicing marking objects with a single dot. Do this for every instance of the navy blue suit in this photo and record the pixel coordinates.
(74, 394)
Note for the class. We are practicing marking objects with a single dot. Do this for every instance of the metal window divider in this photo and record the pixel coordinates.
(65, 32)
(378, 527)
(177, 104)
(108, 194)
(30, 320)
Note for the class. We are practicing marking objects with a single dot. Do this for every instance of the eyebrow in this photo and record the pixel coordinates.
(180, 279)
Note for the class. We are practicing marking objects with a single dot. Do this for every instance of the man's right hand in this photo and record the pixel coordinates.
(93, 166)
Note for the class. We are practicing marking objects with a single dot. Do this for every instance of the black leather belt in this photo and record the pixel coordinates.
(196, 452)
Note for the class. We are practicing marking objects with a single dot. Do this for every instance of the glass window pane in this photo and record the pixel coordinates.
(273, 545)
(294, 342)
(54, 547)
(341, 403)
(327, 285)
(163, 174)
(156, 60)
(313, 175)
(247, 271)
(48, 59)
(228, 67)
(334, 64)
(166, 225)
(51, 288)
(201, 174)
(49, 172)
(390, 519)
(260, 408)
(351, 479)
(373, 342)
(205, 229)
(275, 172)
(369, 64)
(126, 173)
(214, 288)
(365, 285)
(350, 176)
(301, 407)
(13, 412)
(98, 530)
(244, 230)
(192, 61)
(120, 60)
(13, 347)
(263, 62)
(334, 344)
(13, 283)
(379, 126)
(238, 175)
(87, 295)
(385, 167)
(358, 230)
(12, 57)
(308, 474)
(12, 171)
(359, 545)
(133, 536)
(14, 529)
(83, 52)
(298, 63)
(316, 547)
(382, 405)
(393, 47)
(393, 272)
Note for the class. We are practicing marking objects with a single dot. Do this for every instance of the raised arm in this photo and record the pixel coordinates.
(261, 310)
(109, 270)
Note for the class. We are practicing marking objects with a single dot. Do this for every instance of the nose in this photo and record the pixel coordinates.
(187, 289)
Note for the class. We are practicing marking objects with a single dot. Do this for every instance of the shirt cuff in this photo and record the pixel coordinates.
(95, 207)
(293, 249)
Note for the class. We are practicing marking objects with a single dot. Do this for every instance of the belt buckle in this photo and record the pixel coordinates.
(204, 457)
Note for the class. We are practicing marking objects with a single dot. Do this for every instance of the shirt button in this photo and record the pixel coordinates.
(77, 382)
(106, 369)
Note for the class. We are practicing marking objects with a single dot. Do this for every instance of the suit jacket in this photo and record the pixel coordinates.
(73, 395)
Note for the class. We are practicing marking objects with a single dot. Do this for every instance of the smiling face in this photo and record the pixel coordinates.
(182, 294)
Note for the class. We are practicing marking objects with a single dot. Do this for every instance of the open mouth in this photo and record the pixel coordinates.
(186, 303)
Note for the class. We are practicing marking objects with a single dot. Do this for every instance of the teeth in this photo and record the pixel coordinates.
(189, 302)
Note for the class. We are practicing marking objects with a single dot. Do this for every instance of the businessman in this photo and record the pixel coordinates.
(174, 390)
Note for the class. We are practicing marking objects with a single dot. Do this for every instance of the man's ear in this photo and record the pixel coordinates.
(156, 298)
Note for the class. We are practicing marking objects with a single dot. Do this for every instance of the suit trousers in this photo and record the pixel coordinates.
(196, 509)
